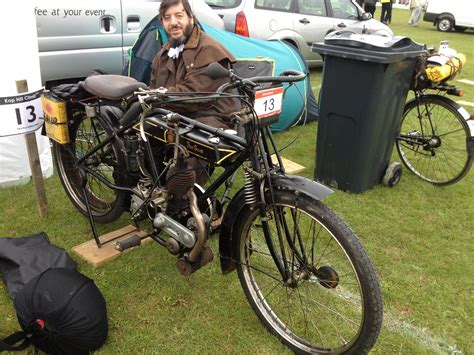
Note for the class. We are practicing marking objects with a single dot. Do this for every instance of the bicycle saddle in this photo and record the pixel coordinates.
(112, 87)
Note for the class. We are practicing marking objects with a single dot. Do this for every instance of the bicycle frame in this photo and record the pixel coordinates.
(425, 143)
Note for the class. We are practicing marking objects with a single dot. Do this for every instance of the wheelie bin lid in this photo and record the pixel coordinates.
(369, 48)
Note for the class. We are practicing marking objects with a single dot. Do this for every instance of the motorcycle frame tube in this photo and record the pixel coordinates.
(116, 135)
(249, 152)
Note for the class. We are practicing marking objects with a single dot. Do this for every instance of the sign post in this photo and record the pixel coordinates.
(20, 110)
(33, 156)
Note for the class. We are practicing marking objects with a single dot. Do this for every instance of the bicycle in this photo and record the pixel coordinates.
(436, 137)
(303, 270)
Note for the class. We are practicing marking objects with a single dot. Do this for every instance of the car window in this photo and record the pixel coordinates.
(344, 9)
(223, 3)
(278, 5)
(312, 7)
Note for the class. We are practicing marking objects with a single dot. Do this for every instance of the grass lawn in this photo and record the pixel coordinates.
(420, 239)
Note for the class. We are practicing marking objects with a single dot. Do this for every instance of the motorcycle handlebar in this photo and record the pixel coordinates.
(217, 71)
(288, 76)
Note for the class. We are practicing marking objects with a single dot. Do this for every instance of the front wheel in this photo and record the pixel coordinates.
(85, 133)
(329, 299)
(433, 142)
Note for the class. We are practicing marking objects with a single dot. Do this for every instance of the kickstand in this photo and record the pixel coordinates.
(89, 209)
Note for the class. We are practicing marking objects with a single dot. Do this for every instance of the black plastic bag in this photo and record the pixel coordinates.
(62, 311)
(23, 258)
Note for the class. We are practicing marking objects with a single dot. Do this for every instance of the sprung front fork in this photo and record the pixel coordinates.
(252, 180)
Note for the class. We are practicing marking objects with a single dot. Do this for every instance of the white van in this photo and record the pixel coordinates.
(76, 37)
(446, 15)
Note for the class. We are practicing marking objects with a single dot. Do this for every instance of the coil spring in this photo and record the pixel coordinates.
(249, 190)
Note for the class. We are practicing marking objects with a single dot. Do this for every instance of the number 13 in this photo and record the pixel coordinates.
(32, 114)
(269, 104)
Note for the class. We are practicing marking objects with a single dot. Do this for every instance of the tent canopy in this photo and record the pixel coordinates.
(299, 103)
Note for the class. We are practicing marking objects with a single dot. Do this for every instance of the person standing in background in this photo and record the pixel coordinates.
(386, 16)
(415, 9)
(369, 6)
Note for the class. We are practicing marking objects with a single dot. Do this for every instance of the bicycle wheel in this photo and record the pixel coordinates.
(433, 140)
(106, 204)
(332, 302)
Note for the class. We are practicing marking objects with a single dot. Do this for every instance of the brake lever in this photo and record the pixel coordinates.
(249, 83)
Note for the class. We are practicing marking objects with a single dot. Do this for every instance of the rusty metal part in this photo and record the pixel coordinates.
(186, 267)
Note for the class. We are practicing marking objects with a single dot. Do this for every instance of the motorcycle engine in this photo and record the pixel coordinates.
(179, 180)
(173, 199)
(145, 202)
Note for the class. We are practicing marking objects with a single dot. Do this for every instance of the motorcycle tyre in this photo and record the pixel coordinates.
(70, 176)
(369, 286)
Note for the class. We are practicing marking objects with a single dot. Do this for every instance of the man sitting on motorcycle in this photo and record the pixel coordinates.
(181, 66)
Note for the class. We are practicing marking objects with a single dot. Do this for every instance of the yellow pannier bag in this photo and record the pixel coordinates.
(447, 71)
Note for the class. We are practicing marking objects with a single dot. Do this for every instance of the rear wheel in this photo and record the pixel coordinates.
(330, 300)
(433, 141)
(85, 133)
(445, 24)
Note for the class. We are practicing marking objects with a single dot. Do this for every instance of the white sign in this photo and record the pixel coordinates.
(268, 102)
(20, 114)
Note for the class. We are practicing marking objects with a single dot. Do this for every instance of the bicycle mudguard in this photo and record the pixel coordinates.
(303, 185)
(227, 237)
(447, 101)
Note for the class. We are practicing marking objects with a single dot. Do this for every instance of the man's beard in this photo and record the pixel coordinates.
(181, 40)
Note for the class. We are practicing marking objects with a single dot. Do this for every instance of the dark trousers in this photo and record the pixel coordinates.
(370, 9)
(386, 16)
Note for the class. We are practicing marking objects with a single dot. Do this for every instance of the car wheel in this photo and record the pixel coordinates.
(445, 24)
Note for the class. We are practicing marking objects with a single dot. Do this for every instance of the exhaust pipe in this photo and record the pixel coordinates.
(201, 254)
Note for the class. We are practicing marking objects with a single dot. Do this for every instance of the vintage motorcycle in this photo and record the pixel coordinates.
(303, 270)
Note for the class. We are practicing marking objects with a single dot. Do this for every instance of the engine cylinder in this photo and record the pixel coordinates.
(180, 180)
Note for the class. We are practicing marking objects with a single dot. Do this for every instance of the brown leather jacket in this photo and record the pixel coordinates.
(188, 74)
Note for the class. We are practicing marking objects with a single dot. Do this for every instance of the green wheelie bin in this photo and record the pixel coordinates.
(364, 88)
